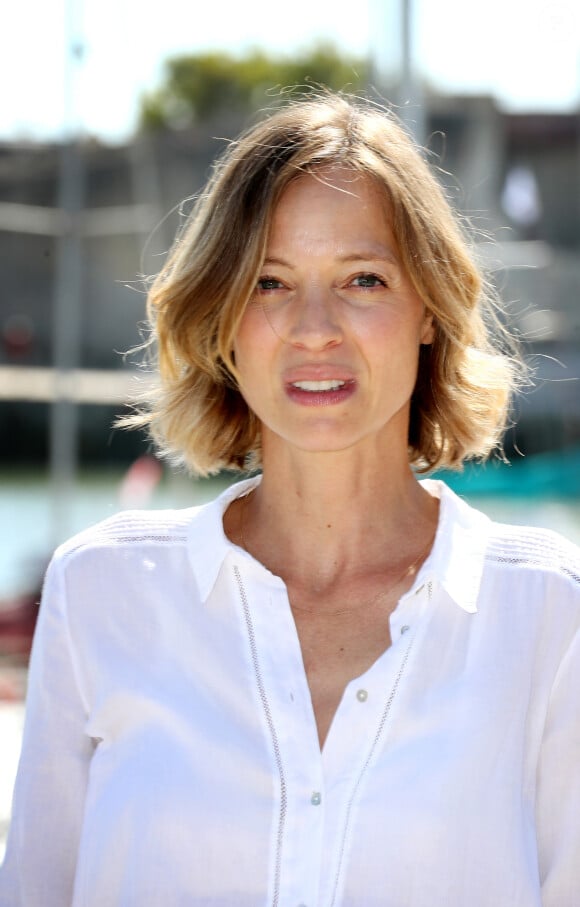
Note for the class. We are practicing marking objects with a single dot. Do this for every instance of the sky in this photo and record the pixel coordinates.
(524, 52)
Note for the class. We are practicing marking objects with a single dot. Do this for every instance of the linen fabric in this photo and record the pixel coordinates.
(170, 753)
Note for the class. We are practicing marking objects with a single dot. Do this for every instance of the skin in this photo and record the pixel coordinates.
(333, 303)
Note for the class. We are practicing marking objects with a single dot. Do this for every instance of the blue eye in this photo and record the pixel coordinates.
(368, 281)
(269, 283)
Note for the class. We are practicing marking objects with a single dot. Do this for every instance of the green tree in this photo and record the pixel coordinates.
(197, 87)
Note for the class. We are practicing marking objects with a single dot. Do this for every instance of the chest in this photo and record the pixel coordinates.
(337, 648)
(227, 755)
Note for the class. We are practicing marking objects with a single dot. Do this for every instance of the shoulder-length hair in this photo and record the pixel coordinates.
(197, 415)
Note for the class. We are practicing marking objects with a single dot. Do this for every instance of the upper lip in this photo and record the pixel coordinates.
(318, 372)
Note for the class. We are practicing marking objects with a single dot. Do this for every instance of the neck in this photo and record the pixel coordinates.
(331, 515)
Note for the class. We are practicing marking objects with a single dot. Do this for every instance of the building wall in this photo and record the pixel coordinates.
(480, 147)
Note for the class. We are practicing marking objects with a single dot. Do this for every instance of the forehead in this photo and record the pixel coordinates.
(336, 205)
(334, 185)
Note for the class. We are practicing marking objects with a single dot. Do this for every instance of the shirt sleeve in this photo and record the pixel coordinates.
(49, 796)
(558, 793)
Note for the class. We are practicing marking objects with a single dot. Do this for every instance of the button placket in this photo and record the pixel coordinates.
(407, 612)
(298, 759)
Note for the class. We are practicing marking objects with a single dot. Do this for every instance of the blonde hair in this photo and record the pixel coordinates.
(466, 377)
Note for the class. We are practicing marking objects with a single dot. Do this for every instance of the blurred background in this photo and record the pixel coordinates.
(112, 114)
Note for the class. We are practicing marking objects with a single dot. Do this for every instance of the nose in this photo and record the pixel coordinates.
(314, 319)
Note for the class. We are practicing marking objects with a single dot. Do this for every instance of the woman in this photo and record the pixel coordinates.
(335, 685)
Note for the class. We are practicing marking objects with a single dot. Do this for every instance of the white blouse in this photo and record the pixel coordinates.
(170, 753)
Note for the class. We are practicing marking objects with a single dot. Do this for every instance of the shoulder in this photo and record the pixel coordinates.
(512, 561)
(509, 546)
(129, 529)
(540, 551)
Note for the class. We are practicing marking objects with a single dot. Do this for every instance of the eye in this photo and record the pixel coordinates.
(368, 281)
(269, 283)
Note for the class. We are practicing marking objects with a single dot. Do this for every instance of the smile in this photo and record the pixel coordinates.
(318, 386)
(321, 392)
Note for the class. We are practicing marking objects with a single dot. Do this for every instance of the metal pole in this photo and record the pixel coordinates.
(67, 300)
(411, 95)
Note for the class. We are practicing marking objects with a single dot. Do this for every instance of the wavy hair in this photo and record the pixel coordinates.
(196, 413)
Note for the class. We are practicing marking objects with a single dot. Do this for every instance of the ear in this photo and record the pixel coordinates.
(428, 329)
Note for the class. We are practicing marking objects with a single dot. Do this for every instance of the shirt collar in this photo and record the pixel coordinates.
(208, 544)
(456, 560)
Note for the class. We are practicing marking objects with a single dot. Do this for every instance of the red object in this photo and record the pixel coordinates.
(17, 623)
(140, 482)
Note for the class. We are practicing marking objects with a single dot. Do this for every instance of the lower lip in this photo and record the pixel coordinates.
(321, 398)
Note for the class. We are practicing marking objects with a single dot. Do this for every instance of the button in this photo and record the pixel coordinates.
(316, 798)
(362, 695)
(404, 629)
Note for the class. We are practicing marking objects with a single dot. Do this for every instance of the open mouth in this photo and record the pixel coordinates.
(318, 386)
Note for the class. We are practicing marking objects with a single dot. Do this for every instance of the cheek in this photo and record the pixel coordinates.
(244, 350)
(243, 366)
(252, 358)
(394, 330)
(254, 331)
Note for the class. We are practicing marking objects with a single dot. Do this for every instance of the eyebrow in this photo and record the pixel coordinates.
(381, 254)
(375, 254)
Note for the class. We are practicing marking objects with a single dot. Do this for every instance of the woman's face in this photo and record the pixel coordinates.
(327, 349)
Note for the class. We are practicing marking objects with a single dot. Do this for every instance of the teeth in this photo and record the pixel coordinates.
(318, 385)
